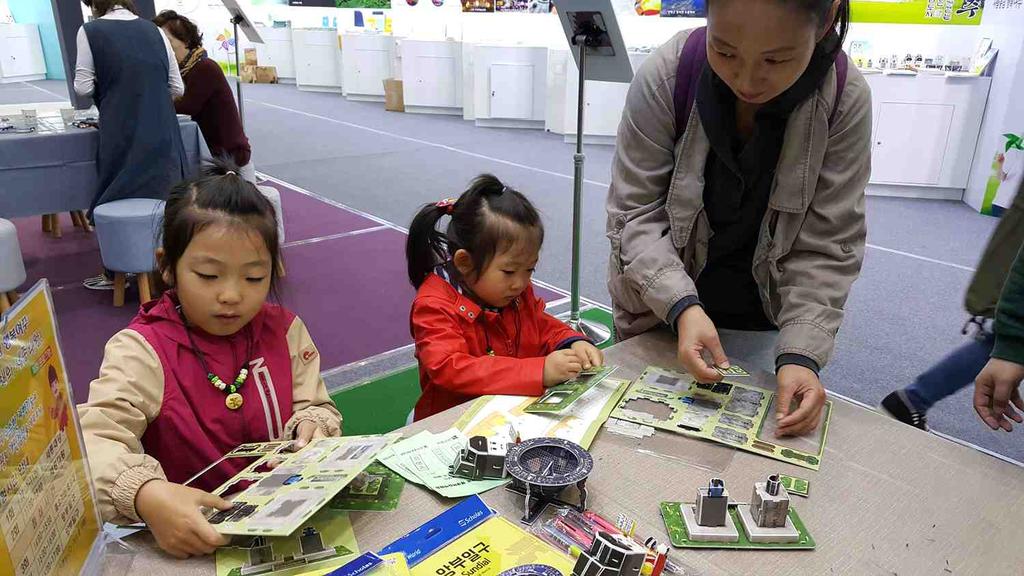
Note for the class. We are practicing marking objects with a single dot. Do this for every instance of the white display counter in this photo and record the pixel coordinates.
(604, 102)
(21, 53)
(367, 60)
(925, 133)
(317, 59)
(431, 76)
(276, 51)
(510, 86)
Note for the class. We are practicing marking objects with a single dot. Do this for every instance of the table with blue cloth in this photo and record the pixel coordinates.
(53, 170)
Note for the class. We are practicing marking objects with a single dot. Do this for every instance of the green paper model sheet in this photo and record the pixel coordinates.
(726, 412)
(672, 514)
(275, 501)
(558, 398)
(377, 489)
(324, 542)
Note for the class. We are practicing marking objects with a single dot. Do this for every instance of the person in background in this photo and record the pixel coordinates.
(957, 370)
(207, 367)
(997, 387)
(208, 98)
(127, 67)
(747, 213)
(479, 328)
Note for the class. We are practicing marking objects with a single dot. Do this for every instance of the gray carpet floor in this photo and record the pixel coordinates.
(904, 313)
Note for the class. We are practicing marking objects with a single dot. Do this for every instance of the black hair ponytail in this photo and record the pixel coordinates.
(487, 218)
(426, 245)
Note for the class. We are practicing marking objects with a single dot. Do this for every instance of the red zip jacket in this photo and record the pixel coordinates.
(452, 334)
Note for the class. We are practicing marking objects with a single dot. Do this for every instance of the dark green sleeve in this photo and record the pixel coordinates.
(1009, 325)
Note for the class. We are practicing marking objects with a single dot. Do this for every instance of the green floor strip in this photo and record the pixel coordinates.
(382, 404)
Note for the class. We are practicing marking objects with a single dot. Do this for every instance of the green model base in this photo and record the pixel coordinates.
(672, 514)
(561, 397)
(381, 493)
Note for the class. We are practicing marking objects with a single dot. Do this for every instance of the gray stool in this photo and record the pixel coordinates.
(275, 198)
(128, 232)
(12, 266)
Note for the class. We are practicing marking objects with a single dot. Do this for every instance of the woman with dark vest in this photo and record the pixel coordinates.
(208, 98)
(126, 65)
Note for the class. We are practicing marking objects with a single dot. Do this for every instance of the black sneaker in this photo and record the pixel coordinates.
(899, 407)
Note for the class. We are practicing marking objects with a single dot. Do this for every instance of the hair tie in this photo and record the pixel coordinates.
(503, 189)
(448, 205)
(231, 173)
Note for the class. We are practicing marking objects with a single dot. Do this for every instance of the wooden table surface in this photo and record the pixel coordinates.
(889, 499)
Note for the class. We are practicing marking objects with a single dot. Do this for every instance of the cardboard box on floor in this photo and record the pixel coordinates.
(250, 56)
(266, 74)
(394, 100)
(248, 73)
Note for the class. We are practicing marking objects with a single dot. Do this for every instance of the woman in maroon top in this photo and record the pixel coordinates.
(208, 98)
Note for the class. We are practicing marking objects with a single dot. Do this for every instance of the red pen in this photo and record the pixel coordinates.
(574, 532)
(601, 522)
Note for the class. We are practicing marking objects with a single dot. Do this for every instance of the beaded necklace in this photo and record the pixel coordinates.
(234, 399)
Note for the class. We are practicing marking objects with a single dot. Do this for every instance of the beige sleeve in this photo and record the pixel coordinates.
(310, 401)
(123, 400)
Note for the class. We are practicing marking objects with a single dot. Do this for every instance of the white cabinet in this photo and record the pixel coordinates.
(925, 133)
(432, 76)
(603, 104)
(21, 53)
(510, 86)
(277, 51)
(910, 143)
(317, 59)
(366, 63)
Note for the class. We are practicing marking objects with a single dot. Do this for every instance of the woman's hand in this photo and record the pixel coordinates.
(697, 334)
(588, 354)
(798, 382)
(172, 513)
(995, 388)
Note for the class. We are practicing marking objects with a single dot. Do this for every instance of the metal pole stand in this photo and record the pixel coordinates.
(238, 68)
(598, 333)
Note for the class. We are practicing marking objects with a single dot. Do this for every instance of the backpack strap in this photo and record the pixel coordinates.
(842, 70)
(691, 65)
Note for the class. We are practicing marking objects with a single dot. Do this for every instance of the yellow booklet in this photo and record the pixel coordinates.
(495, 547)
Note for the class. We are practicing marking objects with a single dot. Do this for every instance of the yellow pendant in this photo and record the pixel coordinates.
(233, 401)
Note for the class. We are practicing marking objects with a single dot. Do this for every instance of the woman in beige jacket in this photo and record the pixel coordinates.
(749, 214)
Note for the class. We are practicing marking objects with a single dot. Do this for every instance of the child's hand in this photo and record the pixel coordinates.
(306, 432)
(588, 354)
(172, 513)
(559, 366)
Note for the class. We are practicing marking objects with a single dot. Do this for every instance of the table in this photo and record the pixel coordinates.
(54, 170)
(889, 499)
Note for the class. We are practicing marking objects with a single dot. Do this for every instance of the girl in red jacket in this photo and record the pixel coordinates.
(478, 326)
(208, 366)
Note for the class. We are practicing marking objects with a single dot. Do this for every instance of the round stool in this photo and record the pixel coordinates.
(128, 232)
(275, 198)
(12, 266)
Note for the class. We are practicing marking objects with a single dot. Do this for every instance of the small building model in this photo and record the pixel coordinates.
(611, 555)
(484, 458)
(712, 503)
(769, 505)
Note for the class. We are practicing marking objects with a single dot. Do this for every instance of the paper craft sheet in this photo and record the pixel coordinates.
(579, 423)
(559, 398)
(426, 459)
(275, 502)
(321, 544)
(726, 412)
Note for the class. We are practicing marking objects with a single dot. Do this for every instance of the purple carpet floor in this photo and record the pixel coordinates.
(346, 278)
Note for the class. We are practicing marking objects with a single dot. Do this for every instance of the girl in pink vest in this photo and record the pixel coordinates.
(208, 366)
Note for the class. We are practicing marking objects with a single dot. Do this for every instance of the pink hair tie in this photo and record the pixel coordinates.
(448, 205)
